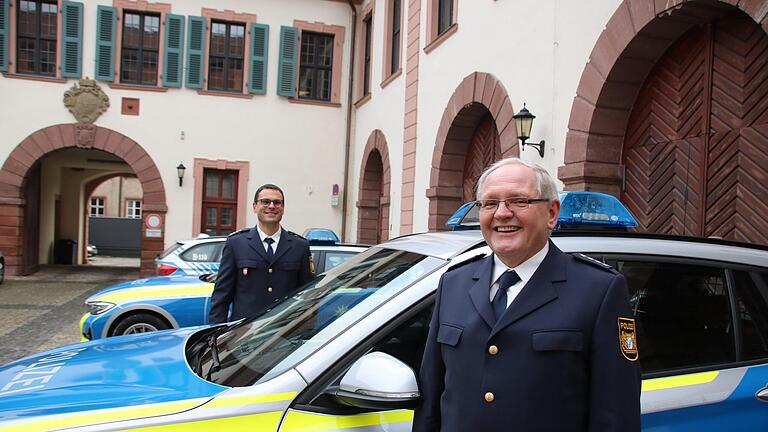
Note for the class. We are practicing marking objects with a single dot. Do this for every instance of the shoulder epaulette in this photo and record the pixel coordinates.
(293, 233)
(463, 263)
(597, 263)
(239, 232)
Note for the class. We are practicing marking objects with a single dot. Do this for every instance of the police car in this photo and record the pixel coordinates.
(341, 354)
(200, 256)
(167, 302)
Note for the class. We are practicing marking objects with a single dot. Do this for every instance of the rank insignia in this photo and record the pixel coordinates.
(628, 338)
(245, 271)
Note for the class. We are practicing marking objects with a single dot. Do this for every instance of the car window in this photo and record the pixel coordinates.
(682, 313)
(170, 249)
(283, 336)
(205, 252)
(334, 258)
(752, 307)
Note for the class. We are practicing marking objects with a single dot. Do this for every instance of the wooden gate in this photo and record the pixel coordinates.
(484, 149)
(696, 145)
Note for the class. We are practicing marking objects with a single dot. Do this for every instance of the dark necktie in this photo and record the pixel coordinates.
(270, 253)
(499, 302)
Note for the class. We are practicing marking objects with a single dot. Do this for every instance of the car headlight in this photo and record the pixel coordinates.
(98, 307)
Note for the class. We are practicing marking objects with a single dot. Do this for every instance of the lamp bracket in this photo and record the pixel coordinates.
(538, 146)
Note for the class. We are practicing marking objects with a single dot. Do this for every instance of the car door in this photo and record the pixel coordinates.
(702, 331)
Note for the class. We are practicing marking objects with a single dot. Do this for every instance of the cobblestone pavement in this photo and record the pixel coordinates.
(43, 310)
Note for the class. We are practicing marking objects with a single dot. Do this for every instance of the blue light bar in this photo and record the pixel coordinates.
(577, 209)
(321, 235)
(593, 209)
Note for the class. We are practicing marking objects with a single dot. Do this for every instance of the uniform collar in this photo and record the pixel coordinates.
(525, 270)
(263, 235)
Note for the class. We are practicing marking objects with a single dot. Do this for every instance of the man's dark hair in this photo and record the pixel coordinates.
(267, 186)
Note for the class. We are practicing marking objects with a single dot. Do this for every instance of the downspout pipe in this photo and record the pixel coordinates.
(348, 138)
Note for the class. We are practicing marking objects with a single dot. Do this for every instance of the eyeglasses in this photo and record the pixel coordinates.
(266, 202)
(514, 203)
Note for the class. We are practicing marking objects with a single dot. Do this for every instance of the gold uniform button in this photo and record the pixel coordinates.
(270, 270)
(489, 397)
(493, 350)
(269, 289)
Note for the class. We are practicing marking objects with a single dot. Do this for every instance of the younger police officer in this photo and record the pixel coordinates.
(260, 265)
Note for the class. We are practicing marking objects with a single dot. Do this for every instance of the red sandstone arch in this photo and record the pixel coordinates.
(14, 173)
(478, 95)
(373, 195)
(636, 36)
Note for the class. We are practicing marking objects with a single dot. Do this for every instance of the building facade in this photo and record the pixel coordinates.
(377, 116)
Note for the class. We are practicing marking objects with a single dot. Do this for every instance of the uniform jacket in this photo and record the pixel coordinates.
(558, 364)
(250, 282)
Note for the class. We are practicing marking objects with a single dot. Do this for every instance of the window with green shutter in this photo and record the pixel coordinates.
(174, 48)
(286, 74)
(4, 24)
(72, 47)
(195, 51)
(106, 21)
(257, 81)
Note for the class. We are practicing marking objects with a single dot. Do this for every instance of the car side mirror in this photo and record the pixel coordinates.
(378, 381)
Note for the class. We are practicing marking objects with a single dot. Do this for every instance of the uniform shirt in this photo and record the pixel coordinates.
(264, 236)
(525, 270)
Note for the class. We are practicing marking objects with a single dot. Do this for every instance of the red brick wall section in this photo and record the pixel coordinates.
(409, 123)
(478, 94)
(373, 196)
(35, 147)
(635, 37)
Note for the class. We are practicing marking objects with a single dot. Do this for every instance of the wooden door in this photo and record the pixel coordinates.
(484, 149)
(696, 146)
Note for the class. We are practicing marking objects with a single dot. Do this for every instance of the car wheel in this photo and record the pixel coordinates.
(139, 323)
(2, 270)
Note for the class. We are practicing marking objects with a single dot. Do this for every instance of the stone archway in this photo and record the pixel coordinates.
(479, 96)
(373, 195)
(635, 40)
(15, 171)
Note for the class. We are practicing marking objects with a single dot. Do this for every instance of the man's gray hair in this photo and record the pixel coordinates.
(545, 184)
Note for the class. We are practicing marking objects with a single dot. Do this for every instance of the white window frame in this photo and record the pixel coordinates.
(95, 206)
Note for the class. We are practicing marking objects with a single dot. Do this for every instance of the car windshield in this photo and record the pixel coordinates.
(283, 336)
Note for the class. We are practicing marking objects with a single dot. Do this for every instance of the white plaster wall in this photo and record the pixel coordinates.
(536, 48)
(299, 147)
(385, 111)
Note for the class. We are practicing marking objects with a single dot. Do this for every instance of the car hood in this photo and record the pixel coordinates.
(161, 286)
(119, 372)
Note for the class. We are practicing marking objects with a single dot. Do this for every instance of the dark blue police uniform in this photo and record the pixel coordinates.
(250, 281)
(552, 362)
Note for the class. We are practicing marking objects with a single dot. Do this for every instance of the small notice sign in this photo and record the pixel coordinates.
(153, 232)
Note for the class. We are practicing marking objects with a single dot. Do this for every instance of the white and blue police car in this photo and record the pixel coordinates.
(341, 353)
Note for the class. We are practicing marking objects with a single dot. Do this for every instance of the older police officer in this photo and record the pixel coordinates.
(260, 265)
(529, 338)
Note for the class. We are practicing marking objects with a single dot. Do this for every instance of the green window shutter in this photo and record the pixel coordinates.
(257, 79)
(174, 49)
(286, 74)
(72, 40)
(106, 23)
(4, 24)
(195, 51)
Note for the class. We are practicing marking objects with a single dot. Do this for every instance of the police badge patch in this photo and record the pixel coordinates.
(628, 338)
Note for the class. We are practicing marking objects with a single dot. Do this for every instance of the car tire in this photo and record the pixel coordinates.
(139, 323)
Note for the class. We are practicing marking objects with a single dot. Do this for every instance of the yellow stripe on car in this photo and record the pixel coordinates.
(309, 422)
(678, 381)
(230, 401)
(247, 423)
(95, 417)
(125, 295)
(82, 322)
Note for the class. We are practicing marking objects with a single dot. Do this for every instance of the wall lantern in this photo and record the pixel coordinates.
(524, 122)
(180, 172)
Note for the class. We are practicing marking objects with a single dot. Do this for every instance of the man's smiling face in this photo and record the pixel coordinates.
(516, 235)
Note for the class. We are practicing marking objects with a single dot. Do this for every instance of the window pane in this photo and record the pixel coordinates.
(324, 81)
(131, 33)
(211, 185)
(151, 32)
(211, 216)
(48, 57)
(235, 74)
(149, 68)
(26, 56)
(236, 41)
(308, 49)
(218, 39)
(306, 81)
(48, 21)
(27, 18)
(226, 216)
(228, 186)
(129, 66)
(325, 51)
(445, 18)
(752, 296)
(200, 253)
(682, 313)
(332, 259)
(216, 73)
